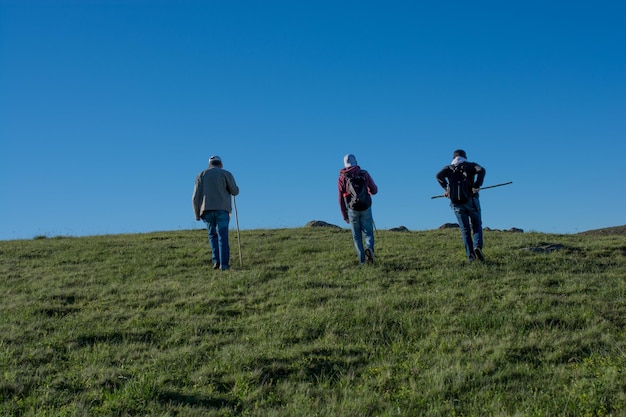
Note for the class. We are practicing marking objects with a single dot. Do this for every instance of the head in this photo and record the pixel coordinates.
(349, 161)
(459, 152)
(215, 161)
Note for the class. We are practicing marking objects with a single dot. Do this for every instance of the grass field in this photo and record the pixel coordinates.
(140, 325)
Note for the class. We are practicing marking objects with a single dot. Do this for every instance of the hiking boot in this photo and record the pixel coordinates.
(479, 254)
(216, 265)
(369, 256)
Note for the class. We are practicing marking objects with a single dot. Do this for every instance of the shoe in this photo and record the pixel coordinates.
(479, 254)
(216, 266)
(369, 256)
(225, 267)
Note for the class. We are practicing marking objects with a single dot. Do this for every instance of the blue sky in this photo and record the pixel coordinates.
(109, 110)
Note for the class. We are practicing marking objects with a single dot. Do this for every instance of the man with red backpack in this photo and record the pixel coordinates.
(461, 180)
(356, 187)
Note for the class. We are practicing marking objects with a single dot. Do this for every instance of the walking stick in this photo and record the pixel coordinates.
(482, 188)
(376, 233)
(238, 237)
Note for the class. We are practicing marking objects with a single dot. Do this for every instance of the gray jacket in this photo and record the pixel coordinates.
(212, 191)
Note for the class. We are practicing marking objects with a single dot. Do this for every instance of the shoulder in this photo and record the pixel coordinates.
(349, 172)
(222, 171)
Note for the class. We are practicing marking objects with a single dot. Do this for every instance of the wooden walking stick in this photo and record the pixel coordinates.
(482, 188)
(238, 237)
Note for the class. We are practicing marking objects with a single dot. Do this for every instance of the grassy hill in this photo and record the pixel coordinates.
(140, 325)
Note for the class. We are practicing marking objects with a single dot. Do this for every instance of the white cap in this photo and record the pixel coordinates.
(349, 160)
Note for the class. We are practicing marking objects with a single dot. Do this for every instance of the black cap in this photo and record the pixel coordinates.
(459, 152)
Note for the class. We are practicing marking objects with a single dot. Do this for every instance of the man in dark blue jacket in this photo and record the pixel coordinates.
(461, 181)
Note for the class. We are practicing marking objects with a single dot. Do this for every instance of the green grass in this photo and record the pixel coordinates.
(140, 325)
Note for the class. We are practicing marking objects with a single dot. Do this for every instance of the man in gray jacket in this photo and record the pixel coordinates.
(212, 204)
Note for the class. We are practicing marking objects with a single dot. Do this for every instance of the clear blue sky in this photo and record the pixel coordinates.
(109, 110)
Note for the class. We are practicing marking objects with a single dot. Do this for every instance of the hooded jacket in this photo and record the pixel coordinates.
(343, 188)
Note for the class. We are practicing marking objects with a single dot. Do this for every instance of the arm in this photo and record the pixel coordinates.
(196, 198)
(341, 188)
(372, 188)
(480, 177)
(442, 177)
(233, 189)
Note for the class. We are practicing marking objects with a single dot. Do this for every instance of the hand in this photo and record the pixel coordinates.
(346, 220)
(197, 219)
(446, 194)
(475, 190)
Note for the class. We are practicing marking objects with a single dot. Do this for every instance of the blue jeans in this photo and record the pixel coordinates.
(362, 223)
(468, 216)
(217, 226)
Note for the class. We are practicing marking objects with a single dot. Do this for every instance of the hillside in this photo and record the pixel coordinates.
(137, 325)
(617, 230)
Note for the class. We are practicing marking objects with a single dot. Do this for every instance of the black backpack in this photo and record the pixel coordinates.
(461, 183)
(357, 197)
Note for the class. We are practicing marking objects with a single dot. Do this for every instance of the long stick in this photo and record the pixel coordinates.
(238, 237)
(482, 188)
